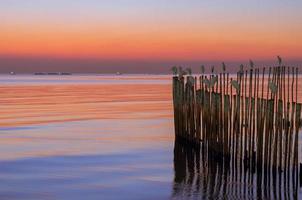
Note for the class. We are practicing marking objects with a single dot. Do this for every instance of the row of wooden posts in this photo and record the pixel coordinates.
(251, 118)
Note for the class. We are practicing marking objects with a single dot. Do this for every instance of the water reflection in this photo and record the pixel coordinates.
(199, 175)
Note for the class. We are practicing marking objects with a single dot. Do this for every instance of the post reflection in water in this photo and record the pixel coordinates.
(199, 175)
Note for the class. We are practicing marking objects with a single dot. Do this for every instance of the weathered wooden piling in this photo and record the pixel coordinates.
(252, 118)
(300, 174)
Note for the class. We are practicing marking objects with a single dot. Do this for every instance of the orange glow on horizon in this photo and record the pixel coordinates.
(112, 42)
(152, 30)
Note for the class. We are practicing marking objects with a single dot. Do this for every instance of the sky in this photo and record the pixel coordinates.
(145, 35)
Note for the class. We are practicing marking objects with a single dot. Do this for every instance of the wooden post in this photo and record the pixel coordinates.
(300, 174)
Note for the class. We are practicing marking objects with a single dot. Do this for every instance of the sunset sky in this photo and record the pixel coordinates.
(126, 35)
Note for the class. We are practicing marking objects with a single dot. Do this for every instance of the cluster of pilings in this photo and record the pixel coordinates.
(250, 119)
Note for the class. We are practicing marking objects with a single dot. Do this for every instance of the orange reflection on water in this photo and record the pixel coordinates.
(39, 120)
(33, 104)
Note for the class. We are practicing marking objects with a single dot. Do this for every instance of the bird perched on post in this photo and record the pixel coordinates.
(241, 69)
(212, 69)
(202, 69)
(223, 67)
(251, 64)
(174, 70)
(235, 84)
(279, 60)
(213, 81)
(273, 87)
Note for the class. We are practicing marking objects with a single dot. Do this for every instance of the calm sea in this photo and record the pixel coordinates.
(97, 137)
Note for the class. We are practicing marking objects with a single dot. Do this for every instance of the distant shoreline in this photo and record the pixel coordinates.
(75, 74)
(52, 73)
